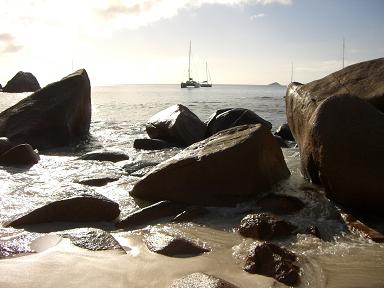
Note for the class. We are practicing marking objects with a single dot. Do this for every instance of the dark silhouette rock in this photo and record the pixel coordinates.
(280, 204)
(85, 208)
(22, 82)
(19, 155)
(263, 226)
(105, 155)
(173, 246)
(284, 132)
(150, 213)
(338, 124)
(229, 167)
(5, 145)
(270, 260)
(201, 280)
(151, 144)
(98, 180)
(1, 88)
(92, 239)
(228, 118)
(176, 124)
(57, 115)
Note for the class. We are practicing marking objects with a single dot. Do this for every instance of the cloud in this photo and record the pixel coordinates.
(8, 43)
(254, 17)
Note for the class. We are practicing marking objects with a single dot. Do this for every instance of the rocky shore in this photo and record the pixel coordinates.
(232, 162)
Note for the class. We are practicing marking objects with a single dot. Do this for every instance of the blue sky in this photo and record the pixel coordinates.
(244, 41)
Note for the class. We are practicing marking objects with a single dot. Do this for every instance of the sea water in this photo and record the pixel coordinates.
(119, 114)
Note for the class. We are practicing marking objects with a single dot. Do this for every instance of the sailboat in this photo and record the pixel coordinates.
(206, 83)
(190, 82)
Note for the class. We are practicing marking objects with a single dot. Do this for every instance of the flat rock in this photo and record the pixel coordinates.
(92, 239)
(151, 144)
(176, 124)
(232, 117)
(84, 208)
(54, 116)
(280, 204)
(270, 260)
(22, 82)
(263, 226)
(173, 246)
(98, 180)
(105, 155)
(150, 213)
(201, 280)
(20, 155)
(231, 166)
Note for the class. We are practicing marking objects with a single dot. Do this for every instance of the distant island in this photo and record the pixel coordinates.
(276, 84)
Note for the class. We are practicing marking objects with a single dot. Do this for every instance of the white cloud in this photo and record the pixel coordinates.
(254, 17)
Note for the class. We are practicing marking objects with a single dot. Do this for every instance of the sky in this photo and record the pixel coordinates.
(147, 41)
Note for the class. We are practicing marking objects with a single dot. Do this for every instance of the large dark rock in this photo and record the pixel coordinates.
(105, 155)
(263, 226)
(270, 260)
(172, 246)
(57, 115)
(19, 155)
(176, 124)
(22, 82)
(150, 213)
(227, 118)
(226, 168)
(201, 280)
(85, 208)
(338, 123)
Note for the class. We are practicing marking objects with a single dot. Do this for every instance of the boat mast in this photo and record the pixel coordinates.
(343, 51)
(291, 72)
(206, 70)
(189, 63)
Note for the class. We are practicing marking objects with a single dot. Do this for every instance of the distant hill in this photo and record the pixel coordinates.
(276, 84)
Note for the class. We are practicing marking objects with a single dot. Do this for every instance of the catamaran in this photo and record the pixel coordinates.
(208, 82)
(190, 82)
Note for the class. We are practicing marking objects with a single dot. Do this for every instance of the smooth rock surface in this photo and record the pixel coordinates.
(229, 167)
(232, 117)
(173, 246)
(263, 226)
(20, 155)
(56, 115)
(338, 123)
(105, 155)
(176, 124)
(270, 260)
(150, 213)
(85, 208)
(98, 180)
(201, 280)
(22, 82)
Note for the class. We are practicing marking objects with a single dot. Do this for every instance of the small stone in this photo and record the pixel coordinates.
(201, 280)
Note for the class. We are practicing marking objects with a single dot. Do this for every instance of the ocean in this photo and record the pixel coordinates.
(119, 114)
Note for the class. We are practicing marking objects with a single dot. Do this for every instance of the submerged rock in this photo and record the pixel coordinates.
(151, 144)
(85, 208)
(280, 204)
(150, 213)
(270, 260)
(176, 124)
(227, 118)
(57, 115)
(173, 245)
(201, 280)
(22, 82)
(263, 226)
(92, 239)
(20, 155)
(98, 180)
(338, 149)
(105, 155)
(226, 168)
